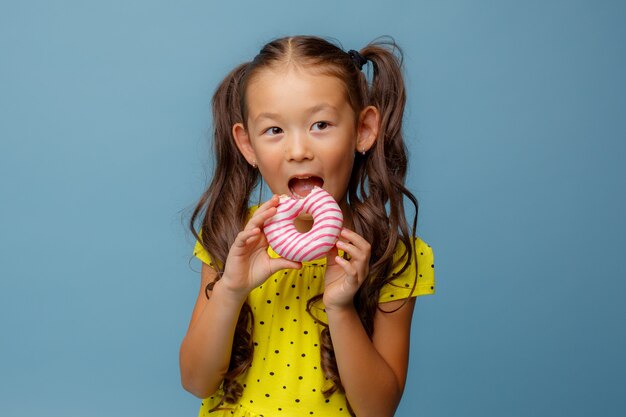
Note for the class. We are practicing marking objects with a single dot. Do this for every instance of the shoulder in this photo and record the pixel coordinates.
(201, 253)
(417, 279)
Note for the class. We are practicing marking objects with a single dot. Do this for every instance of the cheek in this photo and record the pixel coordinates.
(343, 168)
(267, 155)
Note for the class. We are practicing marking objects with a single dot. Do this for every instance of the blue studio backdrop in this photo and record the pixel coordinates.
(516, 128)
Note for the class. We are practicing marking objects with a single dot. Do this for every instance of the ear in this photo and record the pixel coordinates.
(367, 128)
(242, 139)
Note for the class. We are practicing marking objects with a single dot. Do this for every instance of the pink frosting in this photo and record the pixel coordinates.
(286, 241)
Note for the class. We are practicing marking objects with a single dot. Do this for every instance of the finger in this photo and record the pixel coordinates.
(358, 260)
(263, 213)
(245, 235)
(330, 255)
(276, 264)
(254, 239)
(356, 239)
(351, 274)
(352, 251)
(272, 202)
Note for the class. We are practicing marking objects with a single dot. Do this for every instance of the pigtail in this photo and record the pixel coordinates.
(226, 200)
(387, 164)
(382, 172)
(224, 207)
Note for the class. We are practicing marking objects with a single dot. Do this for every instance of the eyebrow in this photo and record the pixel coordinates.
(312, 110)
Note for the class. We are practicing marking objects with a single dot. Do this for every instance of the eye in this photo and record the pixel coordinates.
(273, 131)
(320, 126)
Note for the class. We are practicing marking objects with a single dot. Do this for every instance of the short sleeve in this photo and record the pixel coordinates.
(201, 253)
(401, 286)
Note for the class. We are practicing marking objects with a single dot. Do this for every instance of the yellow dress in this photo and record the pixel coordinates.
(285, 377)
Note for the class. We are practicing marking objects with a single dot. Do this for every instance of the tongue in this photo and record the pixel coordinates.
(301, 187)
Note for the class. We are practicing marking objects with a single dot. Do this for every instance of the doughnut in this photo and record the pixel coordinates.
(286, 241)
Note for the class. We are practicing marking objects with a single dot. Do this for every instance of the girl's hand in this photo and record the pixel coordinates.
(344, 277)
(248, 265)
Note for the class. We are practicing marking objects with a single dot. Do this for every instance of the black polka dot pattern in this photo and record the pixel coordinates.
(402, 286)
(287, 378)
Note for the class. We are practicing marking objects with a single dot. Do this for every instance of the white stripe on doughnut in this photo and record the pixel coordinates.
(286, 241)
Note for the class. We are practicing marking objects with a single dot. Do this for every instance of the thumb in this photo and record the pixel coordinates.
(330, 256)
(281, 263)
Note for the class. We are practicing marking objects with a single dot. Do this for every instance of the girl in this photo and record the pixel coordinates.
(330, 337)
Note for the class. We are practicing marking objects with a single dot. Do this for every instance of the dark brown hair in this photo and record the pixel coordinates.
(376, 189)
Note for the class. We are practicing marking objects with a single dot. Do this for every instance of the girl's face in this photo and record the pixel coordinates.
(302, 131)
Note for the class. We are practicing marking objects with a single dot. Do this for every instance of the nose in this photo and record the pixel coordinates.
(297, 147)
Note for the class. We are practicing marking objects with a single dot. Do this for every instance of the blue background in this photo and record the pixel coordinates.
(516, 123)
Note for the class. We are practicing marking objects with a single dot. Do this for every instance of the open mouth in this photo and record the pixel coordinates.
(300, 187)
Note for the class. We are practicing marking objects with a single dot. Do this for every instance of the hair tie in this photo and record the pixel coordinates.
(358, 59)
